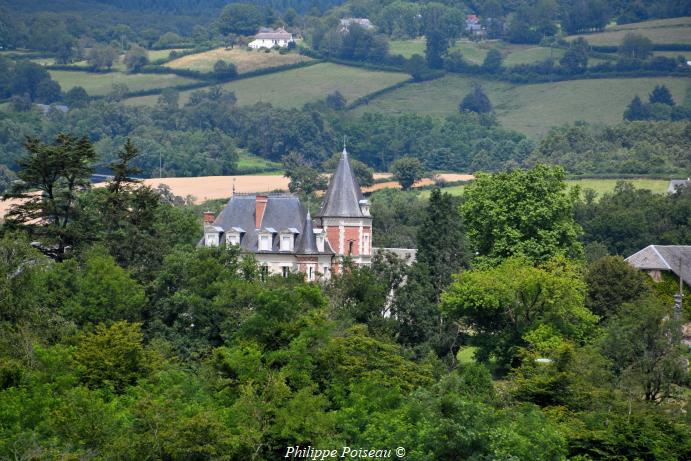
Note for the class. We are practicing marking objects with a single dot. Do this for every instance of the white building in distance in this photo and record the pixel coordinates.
(269, 38)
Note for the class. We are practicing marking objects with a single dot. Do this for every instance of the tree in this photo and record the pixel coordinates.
(58, 171)
(407, 170)
(336, 100)
(101, 56)
(112, 356)
(611, 283)
(522, 212)
(575, 59)
(76, 98)
(27, 77)
(635, 46)
(643, 344)
(441, 241)
(417, 68)
(493, 61)
(303, 177)
(636, 110)
(240, 18)
(661, 95)
(136, 58)
(476, 101)
(48, 92)
(224, 69)
(169, 39)
(503, 304)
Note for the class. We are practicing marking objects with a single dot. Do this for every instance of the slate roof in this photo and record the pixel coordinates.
(342, 198)
(674, 258)
(281, 212)
(271, 34)
(676, 183)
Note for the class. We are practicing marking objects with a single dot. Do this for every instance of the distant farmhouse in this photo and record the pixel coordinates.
(656, 259)
(676, 184)
(473, 26)
(269, 38)
(362, 22)
(284, 238)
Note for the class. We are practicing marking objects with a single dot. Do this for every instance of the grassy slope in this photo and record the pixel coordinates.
(244, 60)
(661, 31)
(530, 109)
(100, 84)
(248, 161)
(601, 186)
(296, 87)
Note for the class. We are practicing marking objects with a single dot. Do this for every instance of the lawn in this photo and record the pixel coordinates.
(244, 60)
(660, 31)
(601, 186)
(293, 88)
(531, 109)
(407, 48)
(101, 84)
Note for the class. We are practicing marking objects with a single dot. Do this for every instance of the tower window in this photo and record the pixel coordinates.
(350, 248)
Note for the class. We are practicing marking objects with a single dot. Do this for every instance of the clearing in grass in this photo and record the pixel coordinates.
(530, 109)
(245, 61)
(294, 88)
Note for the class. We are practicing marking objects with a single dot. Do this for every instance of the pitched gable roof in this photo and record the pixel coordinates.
(674, 258)
(342, 198)
(675, 184)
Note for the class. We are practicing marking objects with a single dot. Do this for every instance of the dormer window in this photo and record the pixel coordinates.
(234, 235)
(364, 207)
(212, 236)
(287, 239)
(265, 242)
(286, 242)
(319, 237)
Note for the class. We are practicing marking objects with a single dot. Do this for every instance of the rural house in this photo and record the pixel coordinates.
(269, 38)
(656, 259)
(362, 22)
(676, 184)
(284, 237)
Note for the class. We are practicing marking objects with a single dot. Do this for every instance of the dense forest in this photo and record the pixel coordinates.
(121, 339)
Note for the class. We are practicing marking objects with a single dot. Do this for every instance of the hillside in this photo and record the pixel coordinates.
(659, 31)
(293, 88)
(533, 108)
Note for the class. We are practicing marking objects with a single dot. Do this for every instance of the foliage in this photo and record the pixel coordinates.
(303, 177)
(504, 304)
(635, 46)
(135, 58)
(476, 101)
(102, 56)
(611, 283)
(59, 171)
(527, 213)
(407, 170)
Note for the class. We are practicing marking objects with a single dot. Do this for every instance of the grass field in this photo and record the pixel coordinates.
(660, 31)
(244, 60)
(407, 48)
(293, 88)
(101, 84)
(160, 54)
(601, 186)
(253, 163)
(530, 109)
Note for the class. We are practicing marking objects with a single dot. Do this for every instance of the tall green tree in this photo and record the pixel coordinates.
(441, 242)
(661, 95)
(58, 171)
(522, 212)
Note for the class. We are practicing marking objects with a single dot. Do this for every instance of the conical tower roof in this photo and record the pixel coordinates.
(342, 198)
(308, 244)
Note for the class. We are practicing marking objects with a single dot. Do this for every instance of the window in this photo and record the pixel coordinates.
(365, 244)
(350, 248)
(285, 271)
(233, 239)
(264, 272)
(212, 240)
(286, 242)
(264, 243)
(326, 271)
(310, 273)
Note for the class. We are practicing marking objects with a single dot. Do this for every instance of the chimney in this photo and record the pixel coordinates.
(209, 217)
(260, 203)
